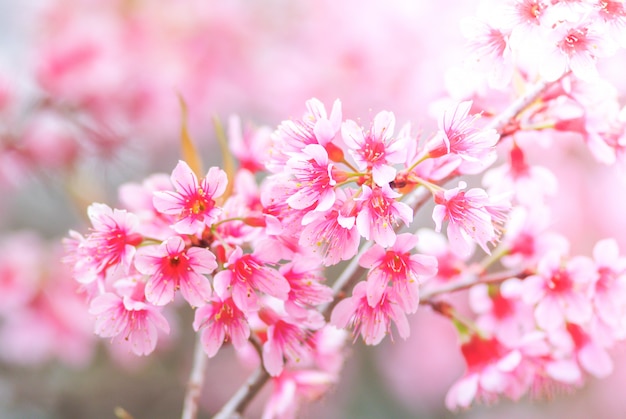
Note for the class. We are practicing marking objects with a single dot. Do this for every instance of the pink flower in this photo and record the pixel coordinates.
(591, 356)
(111, 243)
(575, 47)
(218, 321)
(314, 179)
(171, 267)
(488, 46)
(306, 288)
(399, 267)
(560, 290)
(127, 319)
(501, 310)
(377, 149)
(449, 264)
(290, 387)
(249, 145)
(529, 184)
(458, 135)
(373, 323)
(471, 217)
(379, 214)
(315, 127)
(245, 274)
(609, 289)
(332, 235)
(524, 18)
(527, 239)
(613, 14)
(193, 202)
(285, 341)
(492, 369)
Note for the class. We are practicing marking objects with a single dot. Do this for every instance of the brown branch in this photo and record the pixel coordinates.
(196, 380)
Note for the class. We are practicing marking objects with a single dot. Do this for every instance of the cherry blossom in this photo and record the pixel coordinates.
(492, 369)
(333, 235)
(219, 321)
(314, 179)
(459, 135)
(111, 243)
(171, 266)
(380, 214)
(372, 323)
(377, 149)
(471, 217)
(285, 340)
(246, 273)
(560, 289)
(398, 267)
(194, 200)
(575, 48)
(129, 319)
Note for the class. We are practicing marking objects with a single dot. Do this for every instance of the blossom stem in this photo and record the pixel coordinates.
(235, 406)
(494, 257)
(196, 380)
(500, 121)
(469, 281)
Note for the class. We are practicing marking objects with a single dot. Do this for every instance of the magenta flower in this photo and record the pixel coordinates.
(171, 267)
(399, 267)
(376, 150)
(218, 321)
(315, 127)
(458, 135)
(560, 291)
(111, 243)
(306, 288)
(245, 274)
(291, 388)
(128, 320)
(471, 217)
(285, 341)
(373, 323)
(575, 48)
(379, 214)
(314, 179)
(332, 235)
(492, 370)
(609, 289)
(193, 202)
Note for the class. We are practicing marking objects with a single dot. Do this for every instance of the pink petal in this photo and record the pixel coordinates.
(196, 289)
(343, 312)
(160, 290)
(212, 339)
(167, 202)
(183, 178)
(565, 371)
(272, 354)
(548, 314)
(202, 260)
(383, 174)
(595, 360)
(384, 124)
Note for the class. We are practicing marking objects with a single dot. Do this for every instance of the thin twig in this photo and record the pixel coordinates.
(521, 103)
(469, 281)
(196, 379)
(233, 409)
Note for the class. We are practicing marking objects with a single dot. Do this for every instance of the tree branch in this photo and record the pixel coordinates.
(196, 380)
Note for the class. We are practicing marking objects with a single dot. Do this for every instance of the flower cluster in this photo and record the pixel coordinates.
(249, 248)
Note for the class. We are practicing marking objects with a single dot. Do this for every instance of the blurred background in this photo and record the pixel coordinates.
(89, 100)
